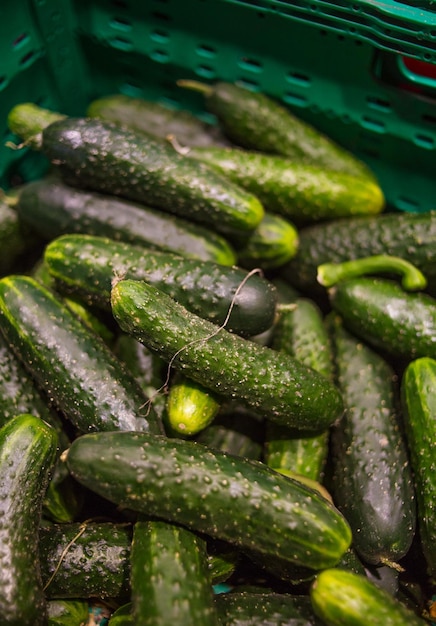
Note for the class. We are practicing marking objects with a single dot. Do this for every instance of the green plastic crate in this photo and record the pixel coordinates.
(362, 71)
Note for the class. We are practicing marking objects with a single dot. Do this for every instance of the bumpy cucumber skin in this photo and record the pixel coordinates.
(298, 191)
(410, 236)
(399, 323)
(51, 208)
(301, 333)
(27, 455)
(170, 577)
(418, 399)
(343, 597)
(100, 156)
(87, 265)
(156, 119)
(74, 367)
(371, 476)
(255, 121)
(224, 496)
(275, 385)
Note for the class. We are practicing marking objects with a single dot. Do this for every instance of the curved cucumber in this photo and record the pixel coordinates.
(74, 367)
(342, 597)
(371, 476)
(275, 385)
(52, 208)
(27, 455)
(86, 265)
(223, 496)
(418, 399)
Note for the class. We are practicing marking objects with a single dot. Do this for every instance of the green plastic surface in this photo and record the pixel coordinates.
(337, 64)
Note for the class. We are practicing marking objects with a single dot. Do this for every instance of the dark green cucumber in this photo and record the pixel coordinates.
(86, 265)
(301, 192)
(73, 366)
(14, 238)
(342, 597)
(256, 121)
(379, 311)
(27, 455)
(411, 236)
(51, 208)
(371, 479)
(418, 399)
(249, 608)
(190, 407)
(170, 577)
(242, 502)
(157, 119)
(101, 156)
(67, 612)
(275, 385)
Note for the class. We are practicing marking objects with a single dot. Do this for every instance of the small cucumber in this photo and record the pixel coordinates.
(86, 265)
(52, 208)
(28, 449)
(101, 156)
(170, 577)
(371, 478)
(222, 496)
(275, 385)
(411, 236)
(190, 407)
(157, 119)
(73, 366)
(342, 597)
(256, 121)
(301, 192)
(418, 399)
(379, 311)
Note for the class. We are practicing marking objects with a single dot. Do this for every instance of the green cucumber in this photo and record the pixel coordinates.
(342, 597)
(275, 385)
(101, 156)
(300, 332)
(301, 192)
(190, 407)
(52, 208)
(254, 120)
(379, 311)
(411, 236)
(170, 577)
(418, 400)
(86, 265)
(28, 449)
(157, 119)
(73, 366)
(236, 500)
(67, 612)
(15, 240)
(371, 478)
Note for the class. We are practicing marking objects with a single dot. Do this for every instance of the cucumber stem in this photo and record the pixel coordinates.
(27, 120)
(412, 278)
(195, 85)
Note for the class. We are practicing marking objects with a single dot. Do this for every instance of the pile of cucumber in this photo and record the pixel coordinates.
(218, 375)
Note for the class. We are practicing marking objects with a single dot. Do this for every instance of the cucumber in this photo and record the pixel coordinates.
(73, 366)
(379, 311)
(256, 121)
(100, 156)
(303, 193)
(86, 265)
(190, 407)
(275, 385)
(27, 455)
(342, 597)
(411, 236)
(157, 119)
(418, 399)
(371, 479)
(170, 577)
(52, 208)
(222, 496)
(15, 240)
(300, 332)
